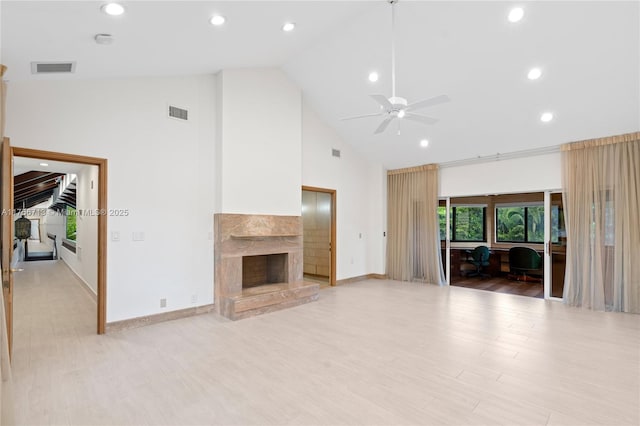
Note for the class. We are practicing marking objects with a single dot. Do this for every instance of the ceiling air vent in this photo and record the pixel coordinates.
(178, 113)
(335, 152)
(53, 67)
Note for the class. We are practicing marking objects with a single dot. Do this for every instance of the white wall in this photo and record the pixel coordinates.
(528, 174)
(160, 169)
(361, 196)
(259, 142)
(54, 223)
(84, 262)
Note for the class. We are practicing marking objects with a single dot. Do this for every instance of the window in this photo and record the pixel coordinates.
(442, 216)
(520, 224)
(71, 223)
(468, 223)
(555, 224)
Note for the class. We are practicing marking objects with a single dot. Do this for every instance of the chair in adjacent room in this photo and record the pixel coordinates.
(480, 259)
(525, 264)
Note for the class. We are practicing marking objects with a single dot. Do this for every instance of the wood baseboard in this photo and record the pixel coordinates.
(361, 278)
(157, 318)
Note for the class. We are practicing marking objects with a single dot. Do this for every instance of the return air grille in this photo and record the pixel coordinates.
(52, 67)
(178, 113)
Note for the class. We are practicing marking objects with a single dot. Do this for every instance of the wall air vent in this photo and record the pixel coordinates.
(178, 113)
(53, 67)
(335, 152)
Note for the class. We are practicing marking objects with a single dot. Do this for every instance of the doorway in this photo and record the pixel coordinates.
(319, 235)
(100, 215)
(509, 228)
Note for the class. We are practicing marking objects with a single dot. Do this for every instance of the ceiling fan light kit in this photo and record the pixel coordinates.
(396, 107)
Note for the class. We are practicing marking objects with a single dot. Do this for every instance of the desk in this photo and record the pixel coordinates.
(498, 260)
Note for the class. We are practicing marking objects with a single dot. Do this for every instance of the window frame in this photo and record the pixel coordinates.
(524, 205)
(453, 223)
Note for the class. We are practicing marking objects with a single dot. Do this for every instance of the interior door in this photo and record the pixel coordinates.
(6, 234)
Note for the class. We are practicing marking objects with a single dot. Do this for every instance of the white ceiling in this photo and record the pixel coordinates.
(589, 52)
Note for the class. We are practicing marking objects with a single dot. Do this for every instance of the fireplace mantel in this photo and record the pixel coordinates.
(262, 237)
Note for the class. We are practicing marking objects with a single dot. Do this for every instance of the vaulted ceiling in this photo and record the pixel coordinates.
(588, 52)
(32, 188)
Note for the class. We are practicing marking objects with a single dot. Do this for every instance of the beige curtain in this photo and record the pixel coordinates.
(413, 235)
(602, 213)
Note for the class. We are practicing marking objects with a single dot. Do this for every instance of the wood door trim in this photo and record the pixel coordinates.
(332, 272)
(7, 223)
(102, 218)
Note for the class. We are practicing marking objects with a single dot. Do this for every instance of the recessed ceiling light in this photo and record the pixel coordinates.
(217, 20)
(546, 117)
(516, 14)
(44, 164)
(424, 143)
(401, 113)
(288, 26)
(373, 77)
(113, 9)
(534, 73)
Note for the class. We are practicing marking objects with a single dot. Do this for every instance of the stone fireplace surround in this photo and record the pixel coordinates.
(242, 235)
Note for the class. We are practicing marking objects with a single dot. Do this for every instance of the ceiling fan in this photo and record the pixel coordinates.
(396, 106)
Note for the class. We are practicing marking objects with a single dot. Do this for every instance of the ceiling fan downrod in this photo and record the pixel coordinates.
(393, 47)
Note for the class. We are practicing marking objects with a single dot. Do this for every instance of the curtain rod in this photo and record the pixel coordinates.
(501, 156)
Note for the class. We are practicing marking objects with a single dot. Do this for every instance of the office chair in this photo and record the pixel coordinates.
(523, 262)
(480, 259)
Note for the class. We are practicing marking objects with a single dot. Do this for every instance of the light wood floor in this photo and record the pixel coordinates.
(371, 352)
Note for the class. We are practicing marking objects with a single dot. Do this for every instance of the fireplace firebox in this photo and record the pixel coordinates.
(264, 269)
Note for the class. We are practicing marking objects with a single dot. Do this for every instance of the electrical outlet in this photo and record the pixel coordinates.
(115, 236)
(163, 303)
(194, 299)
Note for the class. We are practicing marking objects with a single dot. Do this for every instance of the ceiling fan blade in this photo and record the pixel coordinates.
(420, 118)
(428, 102)
(363, 116)
(383, 101)
(383, 126)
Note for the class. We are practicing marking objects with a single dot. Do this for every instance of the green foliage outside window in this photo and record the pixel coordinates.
(535, 224)
(468, 224)
(520, 224)
(442, 216)
(555, 223)
(71, 223)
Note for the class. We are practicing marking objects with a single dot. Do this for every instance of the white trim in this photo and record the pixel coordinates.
(483, 205)
(519, 204)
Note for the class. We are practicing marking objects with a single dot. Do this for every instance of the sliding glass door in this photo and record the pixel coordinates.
(444, 206)
(555, 248)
